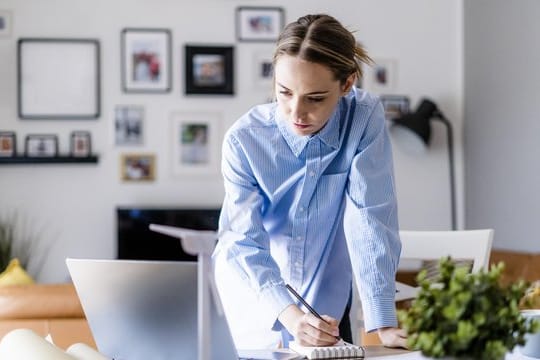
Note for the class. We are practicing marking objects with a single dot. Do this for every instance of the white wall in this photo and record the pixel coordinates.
(502, 124)
(73, 206)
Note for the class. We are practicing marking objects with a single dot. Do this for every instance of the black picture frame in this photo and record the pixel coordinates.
(41, 145)
(259, 24)
(51, 87)
(146, 60)
(8, 144)
(209, 70)
(80, 144)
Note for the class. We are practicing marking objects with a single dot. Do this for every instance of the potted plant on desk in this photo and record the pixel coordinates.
(466, 315)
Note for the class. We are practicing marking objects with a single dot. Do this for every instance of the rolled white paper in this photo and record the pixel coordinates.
(26, 344)
(82, 351)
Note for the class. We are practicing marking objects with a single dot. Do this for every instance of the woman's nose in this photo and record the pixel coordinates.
(297, 110)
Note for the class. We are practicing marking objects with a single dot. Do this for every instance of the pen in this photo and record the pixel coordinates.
(311, 310)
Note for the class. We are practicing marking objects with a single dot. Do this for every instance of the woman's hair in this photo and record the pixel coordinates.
(322, 39)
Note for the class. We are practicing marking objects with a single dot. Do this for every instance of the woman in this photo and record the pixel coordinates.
(309, 199)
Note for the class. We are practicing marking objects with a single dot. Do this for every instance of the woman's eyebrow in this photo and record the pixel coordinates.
(308, 94)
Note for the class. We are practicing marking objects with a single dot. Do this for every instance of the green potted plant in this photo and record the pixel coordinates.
(466, 315)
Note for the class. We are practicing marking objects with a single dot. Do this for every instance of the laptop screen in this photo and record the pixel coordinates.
(146, 309)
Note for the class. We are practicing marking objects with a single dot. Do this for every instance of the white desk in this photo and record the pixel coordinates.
(382, 353)
(372, 352)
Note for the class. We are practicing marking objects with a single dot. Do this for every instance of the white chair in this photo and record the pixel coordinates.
(418, 246)
(473, 245)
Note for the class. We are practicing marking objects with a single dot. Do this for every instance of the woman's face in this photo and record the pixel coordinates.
(307, 93)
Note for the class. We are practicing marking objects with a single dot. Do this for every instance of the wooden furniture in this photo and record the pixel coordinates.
(46, 309)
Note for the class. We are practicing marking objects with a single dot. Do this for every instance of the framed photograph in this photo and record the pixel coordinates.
(128, 125)
(259, 23)
(81, 143)
(58, 79)
(37, 145)
(138, 167)
(209, 70)
(395, 105)
(8, 144)
(146, 60)
(263, 71)
(381, 76)
(195, 143)
(5, 23)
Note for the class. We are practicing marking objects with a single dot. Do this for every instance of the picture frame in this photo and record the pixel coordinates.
(129, 125)
(58, 78)
(80, 143)
(195, 143)
(5, 23)
(263, 71)
(8, 144)
(138, 167)
(395, 105)
(259, 24)
(41, 145)
(209, 70)
(381, 76)
(146, 60)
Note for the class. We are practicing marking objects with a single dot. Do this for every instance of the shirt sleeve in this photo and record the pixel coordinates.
(371, 225)
(245, 242)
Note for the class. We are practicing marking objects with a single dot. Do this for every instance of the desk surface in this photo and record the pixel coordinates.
(372, 352)
(380, 352)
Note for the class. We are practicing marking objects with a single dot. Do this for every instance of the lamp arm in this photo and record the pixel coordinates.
(450, 142)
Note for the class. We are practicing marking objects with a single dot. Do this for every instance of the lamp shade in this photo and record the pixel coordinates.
(413, 132)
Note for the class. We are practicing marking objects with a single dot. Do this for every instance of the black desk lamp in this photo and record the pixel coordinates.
(418, 124)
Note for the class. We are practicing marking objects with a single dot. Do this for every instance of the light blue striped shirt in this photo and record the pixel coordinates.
(325, 204)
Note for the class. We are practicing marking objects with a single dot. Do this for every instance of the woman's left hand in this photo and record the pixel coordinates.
(393, 337)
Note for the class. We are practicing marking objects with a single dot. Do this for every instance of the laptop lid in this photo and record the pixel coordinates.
(146, 309)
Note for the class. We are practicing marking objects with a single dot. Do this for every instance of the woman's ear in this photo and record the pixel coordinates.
(348, 84)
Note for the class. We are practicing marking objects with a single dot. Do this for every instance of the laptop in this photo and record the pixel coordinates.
(146, 309)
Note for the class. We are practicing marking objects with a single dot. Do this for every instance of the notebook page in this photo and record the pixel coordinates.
(342, 350)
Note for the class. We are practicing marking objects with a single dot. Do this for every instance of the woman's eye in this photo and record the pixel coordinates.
(316, 99)
(285, 93)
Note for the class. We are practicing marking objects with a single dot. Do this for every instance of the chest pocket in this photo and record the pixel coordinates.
(330, 190)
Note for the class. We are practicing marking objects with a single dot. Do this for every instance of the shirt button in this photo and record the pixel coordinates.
(298, 263)
(312, 173)
(298, 238)
(302, 208)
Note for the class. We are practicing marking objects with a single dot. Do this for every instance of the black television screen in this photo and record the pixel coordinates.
(136, 242)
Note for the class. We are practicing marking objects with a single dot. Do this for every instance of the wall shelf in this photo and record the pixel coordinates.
(93, 159)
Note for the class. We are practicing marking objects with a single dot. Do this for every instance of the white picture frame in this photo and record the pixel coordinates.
(381, 76)
(259, 24)
(262, 70)
(5, 23)
(146, 60)
(195, 143)
(129, 125)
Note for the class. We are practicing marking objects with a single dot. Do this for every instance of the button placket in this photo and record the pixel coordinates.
(299, 230)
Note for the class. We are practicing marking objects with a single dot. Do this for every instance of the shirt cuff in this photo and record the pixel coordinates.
(274, 299)
(379, 313)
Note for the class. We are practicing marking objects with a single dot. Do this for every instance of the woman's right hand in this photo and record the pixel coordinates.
(307, 329)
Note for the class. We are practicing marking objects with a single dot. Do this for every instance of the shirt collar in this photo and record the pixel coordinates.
(329, 134)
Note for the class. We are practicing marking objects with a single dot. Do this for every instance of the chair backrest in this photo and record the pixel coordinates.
(421, 245)
(474, 245)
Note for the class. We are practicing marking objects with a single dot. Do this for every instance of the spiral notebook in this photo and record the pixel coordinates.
(342, 350)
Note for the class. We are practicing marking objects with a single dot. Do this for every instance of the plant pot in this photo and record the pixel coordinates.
(532, 344)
